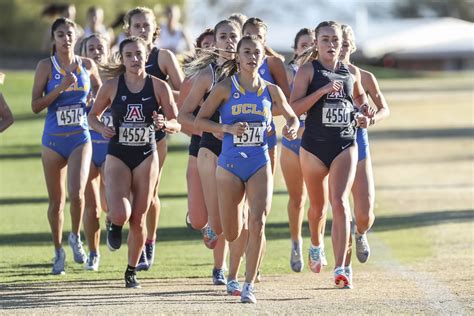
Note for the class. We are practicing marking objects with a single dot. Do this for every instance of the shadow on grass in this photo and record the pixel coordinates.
(273, 230)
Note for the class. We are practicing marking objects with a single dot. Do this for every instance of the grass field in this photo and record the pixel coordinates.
(422, 240)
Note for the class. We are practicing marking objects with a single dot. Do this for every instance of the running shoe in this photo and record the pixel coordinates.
(209, 237)
(77, 249)
(324, 260)
(218, 277)
(296, 257)
(59, 262)
(143, 262)
(188, 222)
(92, 263)
(247, 295)
(315, 262)
(233, 288)
(362, 247)
(150, 253)
(114, 237)
(348, 271)
(340, 278)
(131, 281)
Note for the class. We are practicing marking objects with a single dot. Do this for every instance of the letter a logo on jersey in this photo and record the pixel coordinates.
(134, 113)
(337, 94)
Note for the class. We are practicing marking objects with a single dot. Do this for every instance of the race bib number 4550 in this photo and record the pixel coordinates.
(253, 135)
(70, 115)
(135, 135)
(336, 116)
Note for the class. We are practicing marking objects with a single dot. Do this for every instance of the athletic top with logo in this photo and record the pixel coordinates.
(331, 118)
(67, 113)
(132, 115)
(251, 107)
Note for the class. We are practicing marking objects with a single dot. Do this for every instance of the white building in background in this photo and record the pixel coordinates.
(433, 43)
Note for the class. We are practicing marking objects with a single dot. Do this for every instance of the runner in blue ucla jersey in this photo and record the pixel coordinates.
(131, 168)
(363, 189)
(203, 70)
(62, 85)
(326, 90)
(95, 47)
(162, 64)
(272, 70)
(245, 103)
(290, 163)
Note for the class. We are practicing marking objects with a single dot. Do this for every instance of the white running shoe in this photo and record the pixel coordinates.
(59, 262)
(77, 249)
(362, 247)
(315, 262)
(296, 257)
(340, 278)
(247, 295)
(324, 261)
(348, 270)
(92, 263)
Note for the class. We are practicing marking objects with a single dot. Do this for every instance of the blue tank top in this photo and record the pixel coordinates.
(68, 112)
(251, 107)
(264, 71)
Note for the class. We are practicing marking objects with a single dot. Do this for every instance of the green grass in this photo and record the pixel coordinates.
(25, 240)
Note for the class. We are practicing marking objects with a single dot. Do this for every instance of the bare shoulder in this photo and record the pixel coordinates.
(160, 84)
(274, 90)
(367, 76)
(44, 65)
(110, 85)
(89, 63)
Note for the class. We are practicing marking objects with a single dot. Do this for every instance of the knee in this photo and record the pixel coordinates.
(56, 207)
(317, 212)
(340, 207)
(231, 236)
(256, 225)
(296, 203)
(118, 216)
(76, 198)
(197, 222)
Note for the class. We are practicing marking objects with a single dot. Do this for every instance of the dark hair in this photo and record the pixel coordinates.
(257, 22)
(118, 21)
(127, 20)
(207, 56)
(231, 66)
(202, 36)
(312, 52)
(302, 32)
(93, 9)
(56, 24)
(117, 68)
(54, 9)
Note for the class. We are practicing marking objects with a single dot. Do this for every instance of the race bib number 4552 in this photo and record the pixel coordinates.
(70, 115)
(133, 135)
(253, 135)
(336, 116)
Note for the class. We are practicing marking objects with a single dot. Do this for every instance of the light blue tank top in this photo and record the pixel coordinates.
(251, 107)
(68, 112)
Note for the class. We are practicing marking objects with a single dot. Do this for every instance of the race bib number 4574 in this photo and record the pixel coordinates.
(70, 115)
(253, 135)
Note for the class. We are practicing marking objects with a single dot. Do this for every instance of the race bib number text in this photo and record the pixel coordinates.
(71, 115)
(253, 135)
(133, 135)
(336, 116)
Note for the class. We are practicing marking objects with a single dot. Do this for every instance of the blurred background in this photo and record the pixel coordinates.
(413, 35)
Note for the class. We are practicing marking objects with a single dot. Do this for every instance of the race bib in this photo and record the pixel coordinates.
(135, 134)
(253, 135)
(70, 115)
(336, 116)
(107, 119)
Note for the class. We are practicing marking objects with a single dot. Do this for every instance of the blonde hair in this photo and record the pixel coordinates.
(349, 33)
(127, 20)
(312, 52)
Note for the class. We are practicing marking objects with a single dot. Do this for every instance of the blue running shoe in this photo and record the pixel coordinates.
(150, 253)
(92, 263)
(233, 288)
(348, 271)
(59, 262)
(209, 237)
(340, 278)
(143, 262)
(362, 247)
(315, 262)
(218, 277)
(296, 258)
